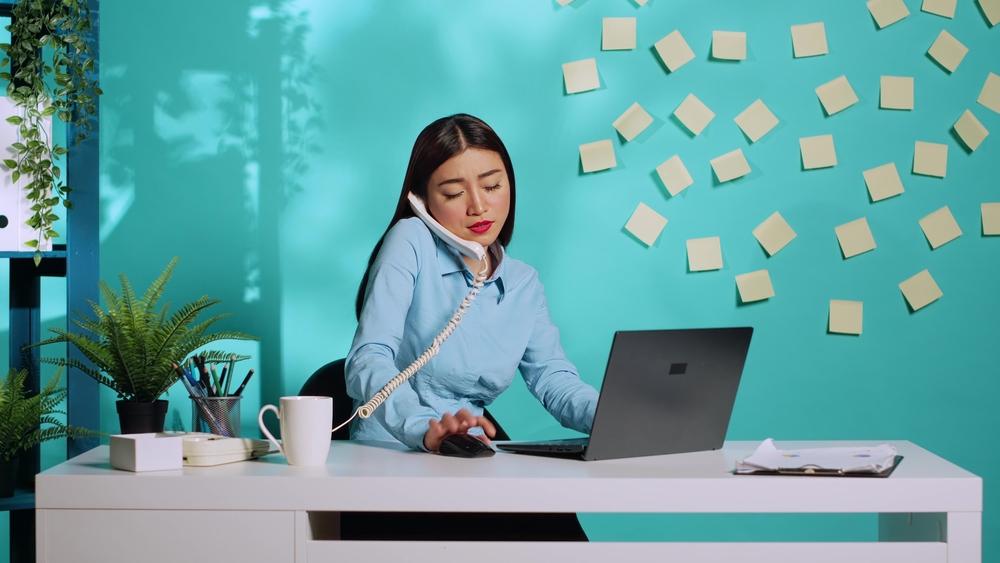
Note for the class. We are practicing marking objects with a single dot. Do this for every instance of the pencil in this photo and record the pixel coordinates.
(239, 389)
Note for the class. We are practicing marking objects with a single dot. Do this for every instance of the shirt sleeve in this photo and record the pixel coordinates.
(371, 361)
(553, 379)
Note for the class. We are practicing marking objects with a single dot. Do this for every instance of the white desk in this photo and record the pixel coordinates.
(930, 509)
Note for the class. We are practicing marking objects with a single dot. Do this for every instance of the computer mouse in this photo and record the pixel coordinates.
(464, 445)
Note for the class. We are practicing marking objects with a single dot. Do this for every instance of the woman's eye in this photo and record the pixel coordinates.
(493, 187)
(452, 196)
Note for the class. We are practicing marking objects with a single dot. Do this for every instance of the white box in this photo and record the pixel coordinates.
(147, 452)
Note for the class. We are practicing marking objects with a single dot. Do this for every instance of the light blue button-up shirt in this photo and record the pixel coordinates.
(414, 287)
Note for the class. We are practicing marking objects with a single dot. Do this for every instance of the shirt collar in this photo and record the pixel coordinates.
(450, 262)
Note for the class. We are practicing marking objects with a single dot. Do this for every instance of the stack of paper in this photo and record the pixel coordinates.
(858, 459)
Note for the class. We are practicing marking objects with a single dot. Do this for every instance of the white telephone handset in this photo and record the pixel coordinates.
(466, 247)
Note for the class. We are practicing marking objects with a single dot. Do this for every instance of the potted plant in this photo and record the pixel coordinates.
(133, 346)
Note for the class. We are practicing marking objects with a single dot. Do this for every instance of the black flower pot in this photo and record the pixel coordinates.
(138, 418)
(8, 477)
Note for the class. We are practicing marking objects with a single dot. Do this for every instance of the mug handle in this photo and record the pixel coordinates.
(260, 422)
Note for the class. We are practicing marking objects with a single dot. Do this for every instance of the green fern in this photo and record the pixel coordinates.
(26, 421)
(133, 344)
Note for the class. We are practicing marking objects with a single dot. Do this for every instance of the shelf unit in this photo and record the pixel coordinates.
(78, 261)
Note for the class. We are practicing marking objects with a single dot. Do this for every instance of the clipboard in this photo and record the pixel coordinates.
(821, 472)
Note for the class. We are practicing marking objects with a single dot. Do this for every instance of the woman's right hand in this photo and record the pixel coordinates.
(458, 423)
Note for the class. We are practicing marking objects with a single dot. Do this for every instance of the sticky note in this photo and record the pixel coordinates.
(581, 76)
(940, 227)
(634, 121)
(618, 34)
(970, 130)
(646, 224)
(836, 95)
(674, 175)
(756, 121)
(809, 40)
(729, 45)
(754, 286)
(694, 114)
(991, 218)
(896, 92)
(730, 166)
(920, 290)
(674, 51)
(989, 96)
(774, 233)
(817, 152)
(991, 9)
(887, 12)
(846, 316)
(641, 2)
(944, 8)
(855, 237)
(883, 181)
(704, 254)
(930, 159)
(599, 155)
(947, 51)
(564, 2)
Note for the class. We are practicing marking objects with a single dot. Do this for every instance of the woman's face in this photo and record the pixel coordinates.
(470, 195)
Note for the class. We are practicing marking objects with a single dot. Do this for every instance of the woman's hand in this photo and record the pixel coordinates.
(459, 423)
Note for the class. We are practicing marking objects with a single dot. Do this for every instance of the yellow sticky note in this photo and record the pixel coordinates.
(991, 9)
(634, 121)
(896, 92)
(887, 12)
(809, 40)
(989, 96)
(754, 286)
(920, 290)
(674, 175)
(817, 152)
(618, 34)
(991, 218)
(581, 76)
(970, 130)
(694, 114)
(940, 227)
(599, 155)
(704, 254)
(944, 8)
(646, 224)
(855, 237)
(729, 45)
(756, 121)
(674, 51)
(883, 181)
(730, 166)
(774, 233)
(836, 95)
(846, 316)
(930, 159)
(947, 51)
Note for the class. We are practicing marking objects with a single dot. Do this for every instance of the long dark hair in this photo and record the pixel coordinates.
(438, 142)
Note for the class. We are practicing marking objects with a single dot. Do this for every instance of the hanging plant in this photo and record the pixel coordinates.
(64, 87)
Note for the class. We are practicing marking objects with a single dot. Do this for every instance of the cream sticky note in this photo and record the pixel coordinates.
(674, 175)
(774, 233)
(581, 76)
(754, 286)
(730, 166)
(817, 152)
(846, 316)
(991, 9)
(729, 45)
(930, 159)
(883, 181)
(920, 290)
(704, 254)
(989, 96)
(674, 51)
(809, 40)
(634, 121)
(618, 34)
(855, 237)
(991, 218)
(694, 114)
(947, 51)
(944, 8)
(896, 92)
(970, 130)
(646, 224)
(887, 12)
(940, 227)
(756, 121)
(836, 95)
(599, 155)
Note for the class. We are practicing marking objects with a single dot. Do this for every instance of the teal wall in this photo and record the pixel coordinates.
(265, 143)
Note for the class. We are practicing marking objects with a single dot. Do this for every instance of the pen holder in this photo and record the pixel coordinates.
(216, 415)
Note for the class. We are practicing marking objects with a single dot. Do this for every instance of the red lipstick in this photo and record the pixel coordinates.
(481, 227)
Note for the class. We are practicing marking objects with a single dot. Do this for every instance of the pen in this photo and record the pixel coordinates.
(222, 381)
(216, 388)
(232, 371)
(239, 389)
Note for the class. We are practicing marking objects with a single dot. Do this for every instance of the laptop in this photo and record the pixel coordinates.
(664, 392)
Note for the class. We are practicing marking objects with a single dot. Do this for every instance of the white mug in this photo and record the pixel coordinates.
(306, 424)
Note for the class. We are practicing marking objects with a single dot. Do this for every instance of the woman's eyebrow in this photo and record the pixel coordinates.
(460, 180)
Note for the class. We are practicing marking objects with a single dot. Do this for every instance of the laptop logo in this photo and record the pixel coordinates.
(678, 369)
